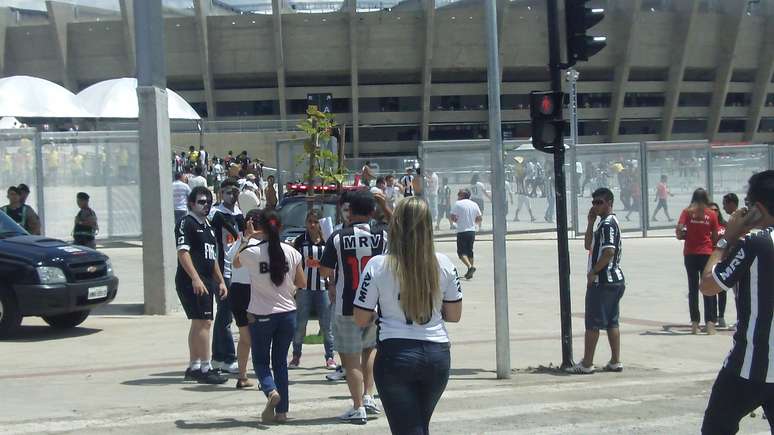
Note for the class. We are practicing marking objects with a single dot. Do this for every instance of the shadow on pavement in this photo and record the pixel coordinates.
(119, 310)
(221, 424)
(35, 333)
(154, 381)
(458, 373)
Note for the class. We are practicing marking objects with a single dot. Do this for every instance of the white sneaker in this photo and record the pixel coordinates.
(355, 416)
(337, 375)
(370, 406)
(232, 368)
(580, 369)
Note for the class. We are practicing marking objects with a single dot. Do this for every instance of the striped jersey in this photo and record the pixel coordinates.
(750, 264)
(311, 254)
(607, 236)
(347, 251)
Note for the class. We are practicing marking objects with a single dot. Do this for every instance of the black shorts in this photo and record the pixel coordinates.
(197, 307)
(239, 299)
(602, 305)
(465, 242)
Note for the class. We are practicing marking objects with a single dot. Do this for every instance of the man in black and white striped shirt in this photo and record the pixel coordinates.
(605, 283)
(746, 380)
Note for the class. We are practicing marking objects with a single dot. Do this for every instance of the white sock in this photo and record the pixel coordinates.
(195, 364)
(367, 398)
(206, 366)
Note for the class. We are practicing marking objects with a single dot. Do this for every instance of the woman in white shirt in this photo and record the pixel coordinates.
(416, 291)
(275, 273)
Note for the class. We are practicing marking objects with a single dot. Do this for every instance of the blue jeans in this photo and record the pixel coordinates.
(304, 300)
(271, 336)
(411, 376)
(222, 341)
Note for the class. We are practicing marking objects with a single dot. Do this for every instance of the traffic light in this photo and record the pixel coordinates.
(580, 18)
(545, 109)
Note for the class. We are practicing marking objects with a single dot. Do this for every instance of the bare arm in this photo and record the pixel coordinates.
(299, 280)
(451, 311)
(222, 289)
(363, 317)
(327, 273)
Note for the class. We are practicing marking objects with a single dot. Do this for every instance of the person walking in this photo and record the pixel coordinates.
(228, 223)
(239, 301)
(270, 192)
(745, 259)
(605, 283)
(407, 183)
(415, 294)
(662, 194)
(722, 299)
(698, 227)
(444, 203)
(198, 278)
(180, 192)
(467, 216)
(346, 253)
(275, 273)
(85, 227)
(478, 192)
(311, 245)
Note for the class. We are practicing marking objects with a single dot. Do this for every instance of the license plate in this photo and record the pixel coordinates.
(98, 292)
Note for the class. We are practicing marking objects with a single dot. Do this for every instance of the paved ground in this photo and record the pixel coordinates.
(122, 374)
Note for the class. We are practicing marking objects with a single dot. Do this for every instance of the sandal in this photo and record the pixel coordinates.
(269, 413)
(244, 383)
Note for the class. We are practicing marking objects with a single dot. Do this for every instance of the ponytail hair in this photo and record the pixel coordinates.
(269, 222)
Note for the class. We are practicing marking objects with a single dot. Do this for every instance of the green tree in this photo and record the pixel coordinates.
(323, 163)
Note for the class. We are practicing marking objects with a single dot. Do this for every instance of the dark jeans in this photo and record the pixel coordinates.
(722, 300)
(694, 267)
(271, 337)
(733, 398)
(222, 341)
(410, 376)
(305, 299)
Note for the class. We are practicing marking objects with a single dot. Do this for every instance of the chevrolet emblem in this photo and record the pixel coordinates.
(91, 269)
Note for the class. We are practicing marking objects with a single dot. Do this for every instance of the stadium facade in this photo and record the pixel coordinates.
(401, 72)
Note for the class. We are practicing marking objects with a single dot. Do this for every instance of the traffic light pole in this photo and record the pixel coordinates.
(554, 59)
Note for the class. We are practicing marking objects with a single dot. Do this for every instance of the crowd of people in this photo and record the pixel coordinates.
(232, 265)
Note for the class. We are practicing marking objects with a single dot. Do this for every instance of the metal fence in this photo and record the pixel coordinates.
(632, 171)
(58, 165)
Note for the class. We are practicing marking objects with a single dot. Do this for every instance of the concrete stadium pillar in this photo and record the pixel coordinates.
(158, 248)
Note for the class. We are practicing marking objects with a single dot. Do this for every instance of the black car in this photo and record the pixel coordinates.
(45, 277)
(293, 209)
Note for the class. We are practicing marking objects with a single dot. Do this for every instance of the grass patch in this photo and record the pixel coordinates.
(314, 339)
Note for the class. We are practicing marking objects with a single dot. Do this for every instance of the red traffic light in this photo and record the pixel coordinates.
(546, 105)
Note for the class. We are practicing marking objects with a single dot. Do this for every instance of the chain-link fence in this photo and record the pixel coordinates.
(58, 165)
(652, 181)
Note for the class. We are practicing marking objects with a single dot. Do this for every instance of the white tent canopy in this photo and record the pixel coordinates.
(117, 98)
(8, 122)
(32, 97)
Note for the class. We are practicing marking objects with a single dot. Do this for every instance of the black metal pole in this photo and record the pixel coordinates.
(554, 59)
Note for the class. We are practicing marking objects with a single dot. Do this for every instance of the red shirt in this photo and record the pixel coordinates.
(698, 240)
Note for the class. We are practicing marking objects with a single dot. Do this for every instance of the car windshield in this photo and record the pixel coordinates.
(293, 214)
(9, 228)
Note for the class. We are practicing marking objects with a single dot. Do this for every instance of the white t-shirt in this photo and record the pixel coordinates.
(477, 190)
(379, 286)
(265, 297)
(432, 185)
(248, 201)
(466, 211)
(239, 275)
(180, 192)
(392, 193)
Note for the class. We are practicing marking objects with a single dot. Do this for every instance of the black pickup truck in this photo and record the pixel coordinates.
(45, 277)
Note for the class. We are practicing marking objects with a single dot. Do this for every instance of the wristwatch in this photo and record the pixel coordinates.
(721, 244)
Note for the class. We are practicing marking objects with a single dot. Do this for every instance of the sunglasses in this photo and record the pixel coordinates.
(203, 202)
(597, 202)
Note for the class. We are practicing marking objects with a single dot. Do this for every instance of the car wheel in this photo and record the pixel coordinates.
(10, 317)
(69, 320)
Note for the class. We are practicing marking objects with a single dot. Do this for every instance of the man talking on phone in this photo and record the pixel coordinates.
(746, 380)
